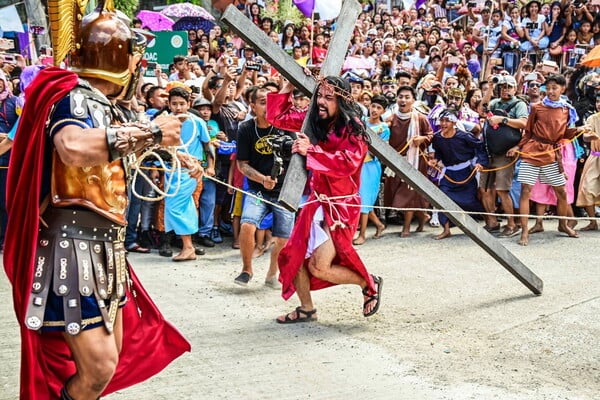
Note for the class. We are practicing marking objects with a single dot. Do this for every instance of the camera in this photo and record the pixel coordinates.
(195, 89)
(193, 59)
(531, 25)
(253, 66)
(151, 65)
(282, 152)
(471, 4)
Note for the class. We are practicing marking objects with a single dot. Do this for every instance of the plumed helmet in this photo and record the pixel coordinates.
(103, 48)
(101, 44)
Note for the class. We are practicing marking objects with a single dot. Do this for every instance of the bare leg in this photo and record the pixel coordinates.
(96, 355)
(235, 224)
(362, 230)
(247, 246)
(524, 207)
(423, 217)
(408, 216)
(378, 224)
(445, 233)
(562, 210)
(593, 225)
(188, 252)
(302, 284)
(539, 224)
(488, 199)
(273, 266)
(259, 246)
(507, 205)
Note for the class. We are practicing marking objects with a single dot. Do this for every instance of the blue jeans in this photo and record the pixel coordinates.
(207, 207)
(255, 210)
(139, 210)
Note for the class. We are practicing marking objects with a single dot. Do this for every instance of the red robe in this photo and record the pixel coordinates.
(282, 114)
(335, 167)
(149, 342)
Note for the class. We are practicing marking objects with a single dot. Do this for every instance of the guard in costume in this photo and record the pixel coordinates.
(87, 325)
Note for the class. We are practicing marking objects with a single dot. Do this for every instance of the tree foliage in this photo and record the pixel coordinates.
(127, 6)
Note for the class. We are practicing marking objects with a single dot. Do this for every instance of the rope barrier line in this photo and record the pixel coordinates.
(482, 213)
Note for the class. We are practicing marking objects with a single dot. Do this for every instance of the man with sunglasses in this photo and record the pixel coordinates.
(515, 116)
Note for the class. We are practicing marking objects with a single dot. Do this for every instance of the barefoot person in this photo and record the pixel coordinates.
(319, 253)
(370, 176)
(85, 319)
(410, 134)
(460, 153)
(588, 195)
(547, 124)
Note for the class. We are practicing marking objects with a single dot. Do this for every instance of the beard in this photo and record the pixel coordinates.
(323, 127)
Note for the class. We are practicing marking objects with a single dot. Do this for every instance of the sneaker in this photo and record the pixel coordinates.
(242, 279)
(215, 235)
(199, 251)
(273, 283)
(206, 241)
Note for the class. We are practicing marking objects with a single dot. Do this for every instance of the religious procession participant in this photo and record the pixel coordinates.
(588, 195)
(547, 124)
(319, 253)
(65, 255)
(460, 153)
(410, 134)
(370, 175)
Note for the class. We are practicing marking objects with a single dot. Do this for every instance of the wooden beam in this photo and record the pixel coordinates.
(465, 222)
(296, 175)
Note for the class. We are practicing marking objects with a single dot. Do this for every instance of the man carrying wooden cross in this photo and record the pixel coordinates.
(319, 252)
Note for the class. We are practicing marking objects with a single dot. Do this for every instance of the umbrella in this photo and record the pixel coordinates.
(155, 21)
(195, 23)
(593, 58)
(180, 10)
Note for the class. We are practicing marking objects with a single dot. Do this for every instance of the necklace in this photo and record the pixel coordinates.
(256, 130)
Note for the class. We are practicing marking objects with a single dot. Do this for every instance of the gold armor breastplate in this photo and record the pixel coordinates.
(102, 188)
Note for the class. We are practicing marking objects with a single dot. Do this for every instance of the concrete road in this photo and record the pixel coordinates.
(453, 325)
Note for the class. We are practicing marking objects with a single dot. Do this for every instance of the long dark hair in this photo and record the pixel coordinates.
(349, 113)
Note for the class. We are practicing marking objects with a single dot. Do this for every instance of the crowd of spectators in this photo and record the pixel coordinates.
(455, 54)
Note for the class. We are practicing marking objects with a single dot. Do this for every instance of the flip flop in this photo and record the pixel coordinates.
(308, 316)
(375, 297)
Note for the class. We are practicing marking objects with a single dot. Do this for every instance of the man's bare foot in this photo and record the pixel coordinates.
(564, 228)
(380, 228)
(524, 241)
(572, 223)
(258, 251)
(592, 226)
(536, 228)
(422, 223)
(405, 234)
(443, 235)
(359, 240)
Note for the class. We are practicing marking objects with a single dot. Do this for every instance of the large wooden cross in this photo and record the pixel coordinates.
(296, 175)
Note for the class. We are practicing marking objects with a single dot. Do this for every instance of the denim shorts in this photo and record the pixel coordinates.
(255, 210)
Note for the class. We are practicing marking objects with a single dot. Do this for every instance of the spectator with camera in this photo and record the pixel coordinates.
(506, 118)
(256, 160)
(183, 70)
(534, 28)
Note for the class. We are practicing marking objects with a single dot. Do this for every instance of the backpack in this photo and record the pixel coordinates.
(503, 137)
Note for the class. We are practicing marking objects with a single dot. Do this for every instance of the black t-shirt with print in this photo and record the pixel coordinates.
(254, 146)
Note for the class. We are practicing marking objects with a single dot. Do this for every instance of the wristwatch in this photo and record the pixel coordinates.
(504, 121)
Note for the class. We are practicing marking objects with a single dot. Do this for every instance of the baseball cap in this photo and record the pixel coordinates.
(372, 31)
(201, 101)
(507, 80)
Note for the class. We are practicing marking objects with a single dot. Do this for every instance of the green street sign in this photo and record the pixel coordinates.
(164, 47)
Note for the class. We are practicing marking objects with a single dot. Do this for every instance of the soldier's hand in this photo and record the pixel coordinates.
(171, 129)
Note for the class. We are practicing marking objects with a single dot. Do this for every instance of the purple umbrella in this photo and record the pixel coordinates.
(195, 23)
(155, 21)
(180, 10)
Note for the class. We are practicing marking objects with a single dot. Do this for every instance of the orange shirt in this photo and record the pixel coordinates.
(546, 126)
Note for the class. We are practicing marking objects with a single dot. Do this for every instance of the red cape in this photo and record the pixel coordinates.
(149, 342)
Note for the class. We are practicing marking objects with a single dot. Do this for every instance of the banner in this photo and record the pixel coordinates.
(10, 20)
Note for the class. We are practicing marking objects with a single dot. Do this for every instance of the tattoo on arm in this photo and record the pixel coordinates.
(249, 171)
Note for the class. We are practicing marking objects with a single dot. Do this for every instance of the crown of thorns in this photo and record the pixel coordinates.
(338, 91)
